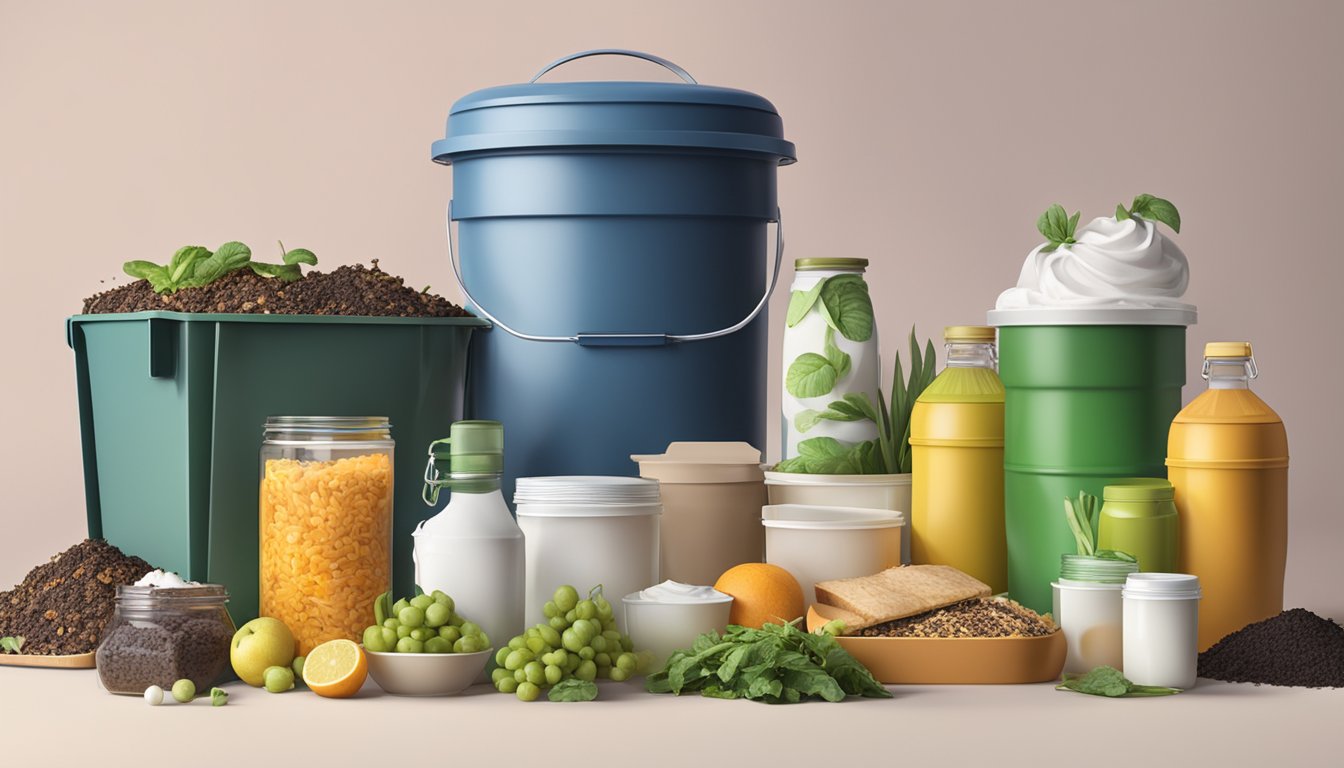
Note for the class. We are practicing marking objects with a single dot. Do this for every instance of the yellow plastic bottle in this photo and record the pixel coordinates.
(1227, 458)
(956, 444)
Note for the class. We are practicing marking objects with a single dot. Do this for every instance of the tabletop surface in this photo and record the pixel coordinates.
(64, 715)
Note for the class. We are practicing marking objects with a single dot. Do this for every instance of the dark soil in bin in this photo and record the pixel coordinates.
(63, 605)
(351, 290)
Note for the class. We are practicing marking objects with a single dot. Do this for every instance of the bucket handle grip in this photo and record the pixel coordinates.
(624, 339)
(673, 68)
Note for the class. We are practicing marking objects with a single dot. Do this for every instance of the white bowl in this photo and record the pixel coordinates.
(662, 628)
(426, 674)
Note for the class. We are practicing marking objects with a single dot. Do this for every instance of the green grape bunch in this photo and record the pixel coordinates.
(578, 640)
(422, 624)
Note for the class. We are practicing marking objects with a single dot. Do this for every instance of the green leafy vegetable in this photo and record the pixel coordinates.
(838, 358)
(1109, 682)
(193, 266)
(11, 644)
(1057, 226)
(776, 664)
(573, 689)
(848, 306)
(800, 303)
(1153, 209)
(811, 375)
(218, 697)
(854, 407)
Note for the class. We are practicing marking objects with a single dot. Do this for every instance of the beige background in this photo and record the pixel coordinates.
(930, 136)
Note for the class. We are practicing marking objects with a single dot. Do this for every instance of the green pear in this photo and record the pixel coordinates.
(258, 644)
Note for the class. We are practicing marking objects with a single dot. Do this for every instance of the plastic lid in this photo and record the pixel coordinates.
(703, 463)
(1139, 489)
(826, 518)
(1162, 586)
(1094, 316)
(805, 265)
(575, 496)
(476, 446)
(1095, 570)
(969, 333)
(1227, 349)
(587, 115)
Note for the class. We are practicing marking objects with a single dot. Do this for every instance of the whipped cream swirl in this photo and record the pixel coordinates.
(1114, 264)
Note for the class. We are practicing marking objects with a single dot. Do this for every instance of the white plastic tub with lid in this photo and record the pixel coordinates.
(670, 616)
(585, 531)
(712, 495)
(1161, 615)
(889, 492)
(818, 543)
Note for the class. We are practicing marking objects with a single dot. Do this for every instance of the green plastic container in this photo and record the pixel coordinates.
(1083, 406)
(1139, 516)
(171, 408)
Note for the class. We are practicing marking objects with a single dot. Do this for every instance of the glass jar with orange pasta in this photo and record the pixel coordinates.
(326, 523)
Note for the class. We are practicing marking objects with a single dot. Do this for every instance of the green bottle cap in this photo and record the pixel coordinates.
(470, 459)
(1139, 489)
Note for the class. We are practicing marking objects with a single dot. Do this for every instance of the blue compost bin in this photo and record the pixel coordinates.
(617, 235)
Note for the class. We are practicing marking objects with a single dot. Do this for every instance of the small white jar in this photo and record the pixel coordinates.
(1089, 611)
(1161, 614)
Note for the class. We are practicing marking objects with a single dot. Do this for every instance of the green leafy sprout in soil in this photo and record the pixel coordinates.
(1059, 227)
(11, 644)
(194, 266)
(1109, 682)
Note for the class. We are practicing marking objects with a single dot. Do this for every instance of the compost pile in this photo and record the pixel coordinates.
(63, 605)
(352, 290)
(1295, 648)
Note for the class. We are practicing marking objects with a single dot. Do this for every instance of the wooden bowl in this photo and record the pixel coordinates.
(952, 660)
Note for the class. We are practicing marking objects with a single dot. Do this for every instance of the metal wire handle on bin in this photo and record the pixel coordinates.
(676, 70)
(624, 339)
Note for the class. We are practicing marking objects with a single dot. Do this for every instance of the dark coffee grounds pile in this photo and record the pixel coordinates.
(356, 291)
(981, 617)
(1295, 648)
(62, 606)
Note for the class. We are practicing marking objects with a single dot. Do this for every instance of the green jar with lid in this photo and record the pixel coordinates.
(1138, 516)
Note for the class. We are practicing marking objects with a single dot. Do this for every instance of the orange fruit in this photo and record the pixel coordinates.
(761, 592)
(335, 669)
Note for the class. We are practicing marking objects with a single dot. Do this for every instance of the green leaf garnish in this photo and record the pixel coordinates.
(811, 375)
(573, 689)
(1153, 209)
(1057, 226)
(800, 303)
(848, 307)
(1111, 683)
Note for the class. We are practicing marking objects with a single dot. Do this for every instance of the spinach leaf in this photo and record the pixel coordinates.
(194, 266)
(776, 664)
(848, 306)
(158, 276)
(1110, 682)
(573, 689)
(11, 644)
(231, 256)
(811, 375)
(183, 263)
(801, 302)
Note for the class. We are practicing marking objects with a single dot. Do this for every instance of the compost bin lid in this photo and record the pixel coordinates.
(685, 115)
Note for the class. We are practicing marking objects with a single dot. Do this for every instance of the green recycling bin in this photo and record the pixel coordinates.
(171, 409)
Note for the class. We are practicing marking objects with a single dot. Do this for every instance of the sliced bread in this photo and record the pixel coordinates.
(899, 592)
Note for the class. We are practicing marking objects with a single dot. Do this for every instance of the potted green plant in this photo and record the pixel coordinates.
(872, 474)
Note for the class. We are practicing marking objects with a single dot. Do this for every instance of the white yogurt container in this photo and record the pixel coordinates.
(585, 531)
(669, 616)
(1089, 610)
(1161, 614)
(818, 543)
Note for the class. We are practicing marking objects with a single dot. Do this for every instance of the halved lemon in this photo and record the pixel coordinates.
(335, 669)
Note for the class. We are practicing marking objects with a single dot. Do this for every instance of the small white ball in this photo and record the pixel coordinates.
(153, 695)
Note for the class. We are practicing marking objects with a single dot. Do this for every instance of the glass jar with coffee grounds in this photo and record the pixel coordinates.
(160, 635)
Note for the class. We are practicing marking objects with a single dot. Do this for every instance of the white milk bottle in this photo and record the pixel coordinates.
(473, 549)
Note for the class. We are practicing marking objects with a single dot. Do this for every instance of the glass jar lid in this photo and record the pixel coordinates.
(810, 265)
(1096, 570)
(280, 428)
